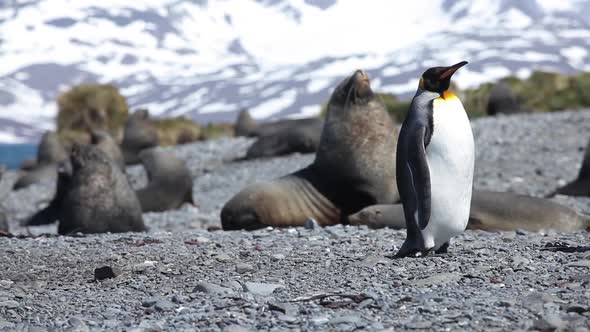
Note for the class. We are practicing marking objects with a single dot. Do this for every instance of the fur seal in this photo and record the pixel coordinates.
(503, 101)
(40, 173)
(302, 136)
(92, 196)
(170, 182)
(105, 142)
(28, 164)
(245, 125)
(139, 134)
(50, 149)
(354, 167)
(581, 185)
(3, 220)
(50, 152)
(3, 223)
(490, 211)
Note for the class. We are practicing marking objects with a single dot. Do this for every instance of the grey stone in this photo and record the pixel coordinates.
(285, 308)
(237, 328)
(261, 289)
(6, 325)
(549, 323)
(223, 258)
(421, 325)
(577, 308)
(244, 268)
(149, 302)
(278, 257)
(164, 305)
(287, 318)
(210, 288)
(311, 224)
(106, 272)
(439, 278)
(9, 304)
(348, 319)
(580, 263)
(77, 325)
(320, 320)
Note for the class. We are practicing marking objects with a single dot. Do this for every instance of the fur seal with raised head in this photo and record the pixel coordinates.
(490, 211)
(170, 182)
(92, 196)
(354, 168)
(581, 185)
(106, 143)
(139, 134)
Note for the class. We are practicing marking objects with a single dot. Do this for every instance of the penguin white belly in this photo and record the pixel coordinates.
(451, 158)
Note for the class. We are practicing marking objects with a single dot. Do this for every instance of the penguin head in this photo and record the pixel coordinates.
(438, 79)
(356, 89)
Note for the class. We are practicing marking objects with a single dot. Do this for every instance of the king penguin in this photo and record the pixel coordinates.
(434, 165)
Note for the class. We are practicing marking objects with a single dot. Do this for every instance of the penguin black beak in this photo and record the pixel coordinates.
(451, 70)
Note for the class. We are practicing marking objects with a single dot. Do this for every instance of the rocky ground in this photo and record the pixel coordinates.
(179, 276)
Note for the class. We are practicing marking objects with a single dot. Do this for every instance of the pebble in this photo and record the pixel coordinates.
(261, 289)
(418, 325)
(77, 325)
(164, 305)
(278, 257)
(149, 302)
(210, 288)
(142, 267)
(9, 304)
(311, 224)
(223, 258)
(106, 272)
(244, 268)
(319, 320)
(549, 323)
(581, 263)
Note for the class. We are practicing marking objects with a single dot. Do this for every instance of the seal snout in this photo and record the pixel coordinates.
(361, 83)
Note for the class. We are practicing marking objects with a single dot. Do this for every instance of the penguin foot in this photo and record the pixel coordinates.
(413, 253)
(443, 249)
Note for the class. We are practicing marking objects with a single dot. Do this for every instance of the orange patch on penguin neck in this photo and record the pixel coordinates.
(448, 95)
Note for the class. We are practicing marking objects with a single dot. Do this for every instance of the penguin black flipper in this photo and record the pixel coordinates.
(420, 177)
(415, 191)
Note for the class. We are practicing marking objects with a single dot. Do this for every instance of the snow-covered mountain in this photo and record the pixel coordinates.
(279, 58)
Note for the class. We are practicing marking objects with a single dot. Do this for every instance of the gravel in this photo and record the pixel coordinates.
(179, 276)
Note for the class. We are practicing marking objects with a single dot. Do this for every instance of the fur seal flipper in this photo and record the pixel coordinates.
(581, 185)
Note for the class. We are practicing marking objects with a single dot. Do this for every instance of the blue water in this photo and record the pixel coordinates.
(12, 155)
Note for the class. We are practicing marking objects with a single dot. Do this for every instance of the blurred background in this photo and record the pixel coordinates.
(195, 64)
